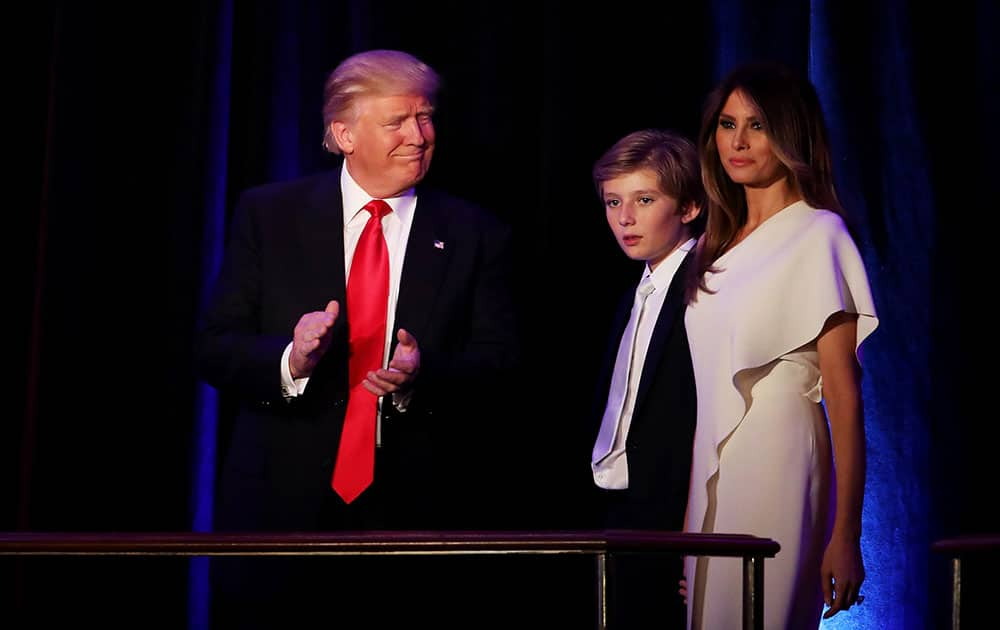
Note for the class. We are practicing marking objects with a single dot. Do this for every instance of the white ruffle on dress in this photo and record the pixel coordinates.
(762, 460)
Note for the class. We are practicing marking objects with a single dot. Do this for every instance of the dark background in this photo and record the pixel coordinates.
(138, 124)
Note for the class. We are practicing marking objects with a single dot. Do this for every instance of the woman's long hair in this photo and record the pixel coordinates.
(790, 112)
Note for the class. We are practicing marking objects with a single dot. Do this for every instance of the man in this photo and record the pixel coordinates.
(322, 441)
(649, 183)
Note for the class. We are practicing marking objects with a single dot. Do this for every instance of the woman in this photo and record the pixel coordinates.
(780, 303)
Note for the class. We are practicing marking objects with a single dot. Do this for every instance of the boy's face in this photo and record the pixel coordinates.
(646, 222)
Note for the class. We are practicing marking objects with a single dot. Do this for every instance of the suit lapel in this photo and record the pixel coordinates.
(427, 255)
(611, 351)
(671, 309)
(322, 235)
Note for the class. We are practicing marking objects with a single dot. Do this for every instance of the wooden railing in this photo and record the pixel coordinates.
(602, 544)
(957, 548)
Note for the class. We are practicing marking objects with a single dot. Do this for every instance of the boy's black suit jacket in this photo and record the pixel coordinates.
(661, 433)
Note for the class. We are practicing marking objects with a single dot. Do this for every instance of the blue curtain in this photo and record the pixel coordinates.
(140, 137)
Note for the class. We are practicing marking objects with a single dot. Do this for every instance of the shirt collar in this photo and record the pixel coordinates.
(664, 272)
(354, 198)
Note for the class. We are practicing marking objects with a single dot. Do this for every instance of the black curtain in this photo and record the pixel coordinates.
(144, 121)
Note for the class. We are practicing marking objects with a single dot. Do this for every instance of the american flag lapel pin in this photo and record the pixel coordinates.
(438, 244)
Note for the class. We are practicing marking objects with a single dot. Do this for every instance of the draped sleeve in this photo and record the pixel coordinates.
(806, 269)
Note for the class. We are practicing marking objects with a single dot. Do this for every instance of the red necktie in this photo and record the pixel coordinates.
(367, 303)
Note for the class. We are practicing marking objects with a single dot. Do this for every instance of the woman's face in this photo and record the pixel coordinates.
(744, 146)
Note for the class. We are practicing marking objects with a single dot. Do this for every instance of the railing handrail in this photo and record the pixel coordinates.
(603, 544)
(967, 543)
(385, 542)
(957, 548)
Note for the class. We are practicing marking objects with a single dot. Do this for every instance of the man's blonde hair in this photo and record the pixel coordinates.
(373, 73)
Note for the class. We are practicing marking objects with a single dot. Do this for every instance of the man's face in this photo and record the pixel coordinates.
(388, 146)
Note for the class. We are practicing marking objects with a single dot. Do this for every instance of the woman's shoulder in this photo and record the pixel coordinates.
(821, 223)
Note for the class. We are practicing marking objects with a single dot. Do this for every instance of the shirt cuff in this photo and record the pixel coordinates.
(401, 401)
(290, 387)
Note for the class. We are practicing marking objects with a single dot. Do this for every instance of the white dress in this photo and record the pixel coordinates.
(762, 460)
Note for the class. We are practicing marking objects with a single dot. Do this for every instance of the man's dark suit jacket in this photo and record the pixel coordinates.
(658, 447)
(285, 258)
